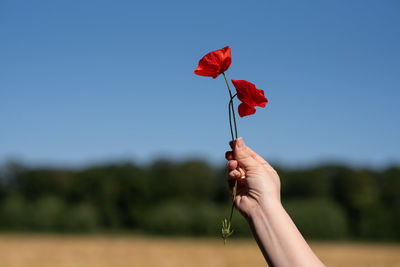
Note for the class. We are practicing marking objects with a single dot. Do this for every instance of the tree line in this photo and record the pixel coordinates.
(191, 198)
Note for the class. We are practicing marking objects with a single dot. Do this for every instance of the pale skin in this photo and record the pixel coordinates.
(258, 200)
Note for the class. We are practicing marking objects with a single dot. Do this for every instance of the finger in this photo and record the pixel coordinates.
(232, 164)
(247, 155)
(234, 174)
(229, 155)
(258, 158)
(242, 173)
(244, 155)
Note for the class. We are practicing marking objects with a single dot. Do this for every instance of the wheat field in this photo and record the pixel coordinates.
(117, 251)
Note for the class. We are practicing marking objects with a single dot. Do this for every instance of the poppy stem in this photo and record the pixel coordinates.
(231, 108)
(226, 225)
(235, 189)
(230, 116)
(233, 203)
(230, 119)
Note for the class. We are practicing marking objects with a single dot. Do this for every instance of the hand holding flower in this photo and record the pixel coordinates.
(213, 64)
(257, 182)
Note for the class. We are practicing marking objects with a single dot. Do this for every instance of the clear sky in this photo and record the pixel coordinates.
(87, 81)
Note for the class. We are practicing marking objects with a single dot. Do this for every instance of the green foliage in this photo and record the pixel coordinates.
(318, 218)
(168, 218)
(15, 213)
(81, 218)
(240, 226)
(177, 217)
(191, 198)
(47, 214)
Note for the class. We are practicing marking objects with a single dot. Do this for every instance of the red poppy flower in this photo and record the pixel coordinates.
(214, 63)
(250, 97)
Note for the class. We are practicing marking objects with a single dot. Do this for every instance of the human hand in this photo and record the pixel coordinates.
(258, 183)
(258, 199)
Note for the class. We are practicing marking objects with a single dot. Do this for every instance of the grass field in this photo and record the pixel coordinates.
(116, 251)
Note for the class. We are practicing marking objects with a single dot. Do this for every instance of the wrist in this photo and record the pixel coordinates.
(265, 209)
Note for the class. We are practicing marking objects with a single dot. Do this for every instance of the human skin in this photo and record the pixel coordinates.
(258, 200)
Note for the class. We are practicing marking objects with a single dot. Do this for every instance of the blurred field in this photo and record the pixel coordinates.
(116, 251)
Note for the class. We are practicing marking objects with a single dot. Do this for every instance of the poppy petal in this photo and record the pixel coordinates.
(226, 58)
(245, 110)
(249, 94)
(214, 63)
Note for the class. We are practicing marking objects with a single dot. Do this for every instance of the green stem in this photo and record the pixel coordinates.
(230, 119)
(233, 204)
(234, 192)
(230, 116)
(227, 226)
(231, 107)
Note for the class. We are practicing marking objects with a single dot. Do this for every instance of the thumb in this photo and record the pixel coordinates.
(243, 154)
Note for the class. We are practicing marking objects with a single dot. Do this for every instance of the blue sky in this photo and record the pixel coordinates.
(88, 81)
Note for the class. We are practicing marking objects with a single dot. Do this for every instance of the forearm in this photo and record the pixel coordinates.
(279, 239)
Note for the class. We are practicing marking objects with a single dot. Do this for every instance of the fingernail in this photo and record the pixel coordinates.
(239, 142)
